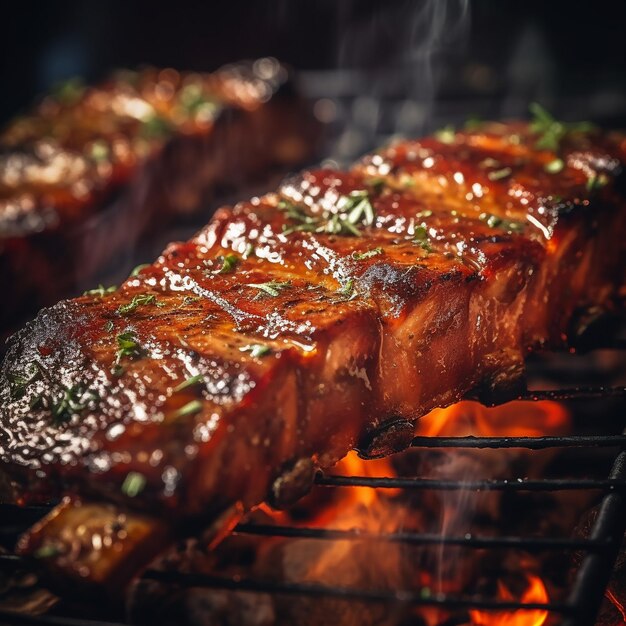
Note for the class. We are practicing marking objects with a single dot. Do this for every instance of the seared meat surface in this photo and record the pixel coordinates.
(298, 325)
(93, 169)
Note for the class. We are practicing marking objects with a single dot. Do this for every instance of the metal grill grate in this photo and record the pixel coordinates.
(600, 548)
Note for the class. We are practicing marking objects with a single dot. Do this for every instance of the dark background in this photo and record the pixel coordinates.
(500, 55)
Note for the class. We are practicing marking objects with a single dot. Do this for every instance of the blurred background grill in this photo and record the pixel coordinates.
(467, 58)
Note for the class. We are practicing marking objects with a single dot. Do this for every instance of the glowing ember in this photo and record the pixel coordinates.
(535, 592)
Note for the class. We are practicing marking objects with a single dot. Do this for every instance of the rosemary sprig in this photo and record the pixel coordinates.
(353, 210)
(73, 401)
(18, 382)
(271, 288)
(360, 256)
(128, 346)
(347, 291)
(550, 131)
(137, 301)
(189, 382)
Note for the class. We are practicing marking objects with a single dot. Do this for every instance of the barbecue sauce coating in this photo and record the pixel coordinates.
(295, 325)
(94, 170)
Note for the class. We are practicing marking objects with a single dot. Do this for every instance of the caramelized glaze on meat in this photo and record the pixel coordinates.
(91, 170)
(295, 325)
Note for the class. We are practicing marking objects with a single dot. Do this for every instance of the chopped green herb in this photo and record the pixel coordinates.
(500, 174)
(339, 226)
(189, 300)
(360, 256)
(100, 290)
(407, 181)
(229, 263)
(156, 127)
(137, 301)
(420, 233)
(256, 350)
(420, 236)
(194, 100)
(446, 134)
(108, 327)
(360, 207)
(554, 167)
(19, 381)
(99, 151)
(493, 221)
(73, 401)
(347, 290)
(489, 162)
(190, 382)
(133, 484)
(287, 205)
(69, 91)
(127, 347)
(550, 131)
(117, 369)
(472, 123)
(47, 552)
(249, 251)
(271, 288)
(138, 269)
(195, 406)
(353, 210)
(596, 181)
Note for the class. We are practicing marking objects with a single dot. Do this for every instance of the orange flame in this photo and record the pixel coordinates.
(385, 510)
(535, 592)
(513, 419)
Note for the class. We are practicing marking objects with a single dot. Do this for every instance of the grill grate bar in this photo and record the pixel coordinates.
(595, 571)
(531, 443)
(575, 393)
(556, 484)
(412, 538)
(419, 598)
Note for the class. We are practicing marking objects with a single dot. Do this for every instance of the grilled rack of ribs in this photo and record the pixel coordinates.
(301, 324)
(92, 170)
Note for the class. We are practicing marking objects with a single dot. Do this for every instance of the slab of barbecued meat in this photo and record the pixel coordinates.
(299, 325)
(92, 171)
